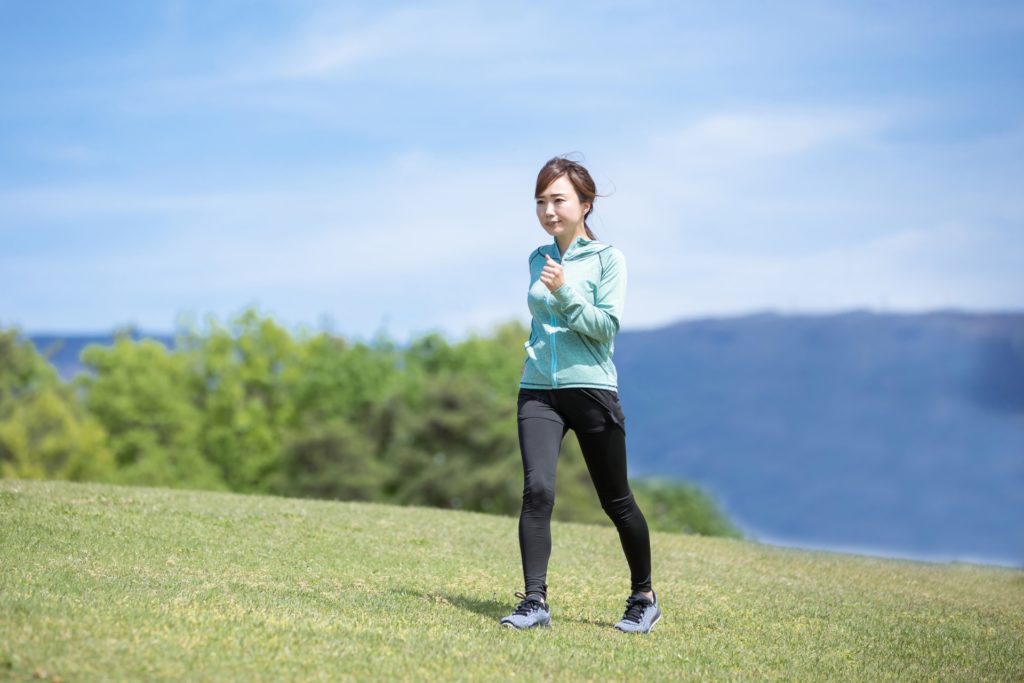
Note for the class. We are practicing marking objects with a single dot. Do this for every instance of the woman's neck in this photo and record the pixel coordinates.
(572, 238)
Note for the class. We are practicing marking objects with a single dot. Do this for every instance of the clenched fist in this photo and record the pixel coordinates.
(552, 275)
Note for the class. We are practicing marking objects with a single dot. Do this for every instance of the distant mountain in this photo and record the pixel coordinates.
(63, 351)
(884, 433)
(899, 434)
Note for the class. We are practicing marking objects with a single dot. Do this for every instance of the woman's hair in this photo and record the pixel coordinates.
(577, 175)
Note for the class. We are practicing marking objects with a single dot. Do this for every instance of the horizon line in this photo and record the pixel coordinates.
(132, 328)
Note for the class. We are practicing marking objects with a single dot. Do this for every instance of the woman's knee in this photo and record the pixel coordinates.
(620, 509)
(538, 496)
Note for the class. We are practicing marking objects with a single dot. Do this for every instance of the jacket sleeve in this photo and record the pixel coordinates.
(599, 320)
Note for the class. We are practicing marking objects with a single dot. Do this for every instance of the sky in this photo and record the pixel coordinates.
(369, 167)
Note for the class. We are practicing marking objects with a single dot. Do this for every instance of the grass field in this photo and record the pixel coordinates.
(114, 583)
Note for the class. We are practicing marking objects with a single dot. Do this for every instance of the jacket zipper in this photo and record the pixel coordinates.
(554, 353)
(554, 350)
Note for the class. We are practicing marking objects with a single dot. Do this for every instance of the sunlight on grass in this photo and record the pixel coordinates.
(129, 583)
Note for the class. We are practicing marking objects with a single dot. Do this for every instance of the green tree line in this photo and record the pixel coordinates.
(248, 406)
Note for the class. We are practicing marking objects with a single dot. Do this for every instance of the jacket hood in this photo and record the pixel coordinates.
(580, 248)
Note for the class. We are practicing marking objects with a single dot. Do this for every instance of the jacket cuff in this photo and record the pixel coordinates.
(564, 294)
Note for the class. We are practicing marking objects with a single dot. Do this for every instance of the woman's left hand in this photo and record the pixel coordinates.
(552, 275)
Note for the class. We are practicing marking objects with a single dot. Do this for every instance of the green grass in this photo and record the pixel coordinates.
(102, 582)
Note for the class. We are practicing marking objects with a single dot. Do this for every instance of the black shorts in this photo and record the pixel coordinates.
(581, 409)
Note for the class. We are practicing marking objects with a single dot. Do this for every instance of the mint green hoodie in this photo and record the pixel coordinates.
(572, 335)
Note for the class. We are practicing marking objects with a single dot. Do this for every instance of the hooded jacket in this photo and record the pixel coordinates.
(572, 334)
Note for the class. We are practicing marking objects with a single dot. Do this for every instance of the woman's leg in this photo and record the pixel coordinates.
(605, 454)
(539, 441)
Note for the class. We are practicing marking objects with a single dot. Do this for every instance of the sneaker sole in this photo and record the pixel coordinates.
(517, 628)
(656, 620)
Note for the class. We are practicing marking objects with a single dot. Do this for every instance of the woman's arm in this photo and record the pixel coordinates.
(599, 320)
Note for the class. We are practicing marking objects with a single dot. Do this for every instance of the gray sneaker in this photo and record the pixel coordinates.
(530, 612)
(641, 614)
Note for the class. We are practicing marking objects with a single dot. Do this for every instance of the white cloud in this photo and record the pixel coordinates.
(332, 43)
(441, 242)
(423, 240)
(431, 41)
(731, 138)
(915, 269)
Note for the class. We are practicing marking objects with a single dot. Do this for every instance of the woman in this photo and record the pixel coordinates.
(576, 296)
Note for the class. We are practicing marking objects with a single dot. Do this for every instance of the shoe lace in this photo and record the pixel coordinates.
(635, 607)
(527, 605)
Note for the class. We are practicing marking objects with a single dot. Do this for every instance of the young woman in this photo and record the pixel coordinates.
(576, 296)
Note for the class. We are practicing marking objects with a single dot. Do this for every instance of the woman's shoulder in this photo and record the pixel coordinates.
(613, 254)
(605, 248)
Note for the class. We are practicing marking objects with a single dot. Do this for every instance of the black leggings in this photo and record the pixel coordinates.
(545, 415)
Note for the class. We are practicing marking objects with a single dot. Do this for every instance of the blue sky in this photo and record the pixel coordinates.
(370, 166)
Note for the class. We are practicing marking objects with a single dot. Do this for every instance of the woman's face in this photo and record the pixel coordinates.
(559, 209)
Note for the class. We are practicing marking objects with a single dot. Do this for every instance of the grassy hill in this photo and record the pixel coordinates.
(106, 582)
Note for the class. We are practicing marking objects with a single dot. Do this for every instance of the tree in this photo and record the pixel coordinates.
(243, 378)
(44, 432)
(139, 391)
(331, 460)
